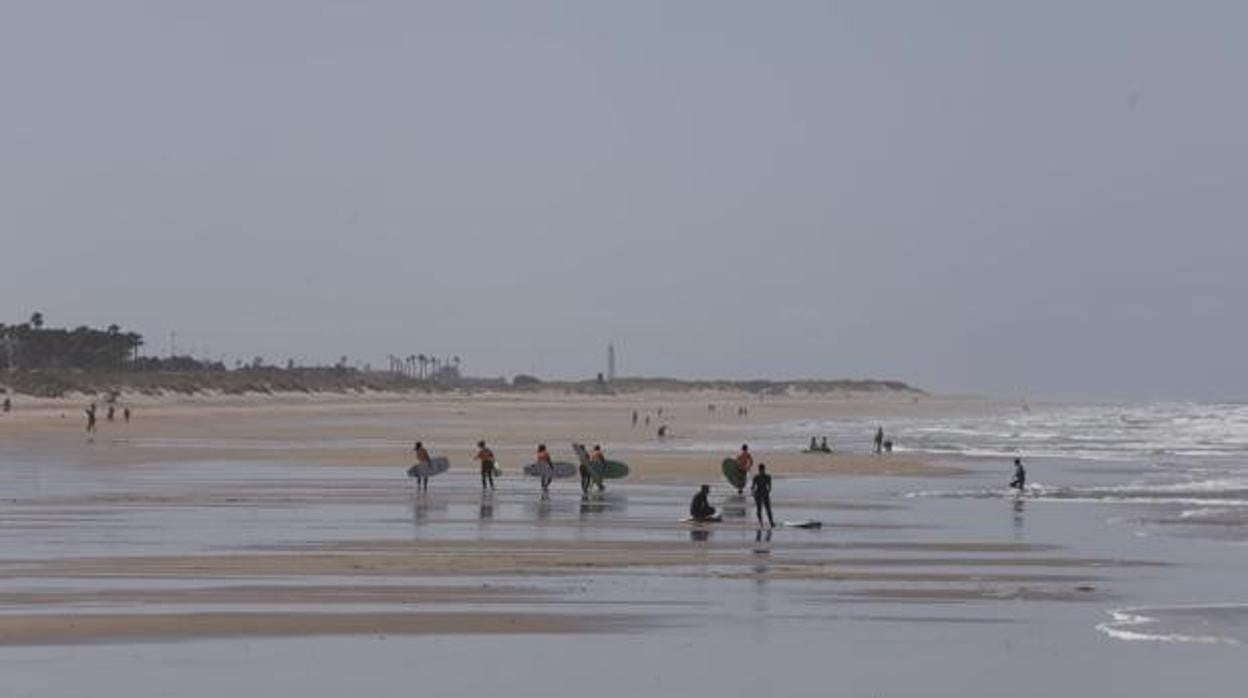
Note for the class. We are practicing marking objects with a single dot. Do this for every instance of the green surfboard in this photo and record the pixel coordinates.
(609, 469)
(732, 473)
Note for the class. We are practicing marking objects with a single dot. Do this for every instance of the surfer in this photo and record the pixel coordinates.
(814, 445)
(598, 458)
(745, 462)
(486, 456)
(1020, 476)
(547, 469)
(112, 412)
(90, 419)
(125, 414)
(824, 447)
(879, 439)
(700, 508)
(761, 489)
(422, 465)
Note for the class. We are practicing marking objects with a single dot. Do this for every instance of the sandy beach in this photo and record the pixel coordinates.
(229, 520)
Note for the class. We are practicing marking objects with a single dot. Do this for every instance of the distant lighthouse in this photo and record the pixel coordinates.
(610, 362)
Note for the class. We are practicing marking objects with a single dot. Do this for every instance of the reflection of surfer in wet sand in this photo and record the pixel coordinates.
(1020, 477)
(700, 508)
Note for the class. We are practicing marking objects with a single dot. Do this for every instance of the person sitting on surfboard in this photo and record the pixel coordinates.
(745, 462)
(486, 456)
(700, 508)
(598, 457)
(761, 489)
(422, 458)
(543, 458)
(1020, 476)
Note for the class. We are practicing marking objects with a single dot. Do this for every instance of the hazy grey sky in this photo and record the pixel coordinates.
(1044, 198)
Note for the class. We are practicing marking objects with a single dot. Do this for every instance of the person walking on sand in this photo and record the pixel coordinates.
(879, 439)
(422, 464)
(125, 414)
(597, 457)
(824, 447)
(547, 469)
(486, 456)
(112, 412)
(700, 508)
(761, 489)
(90, 420)
(745, 462)
(8, 405)
(634, 418)
(1020, 476)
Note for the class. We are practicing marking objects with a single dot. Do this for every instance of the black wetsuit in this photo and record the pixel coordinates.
(700, 509)
(761, 489)
(1020, 478)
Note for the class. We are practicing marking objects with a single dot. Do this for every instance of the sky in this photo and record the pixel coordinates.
(1006, 198)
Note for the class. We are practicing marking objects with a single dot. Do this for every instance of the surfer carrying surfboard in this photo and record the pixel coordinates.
(486, 456)
(761, 489)
(548, 469)
(745, 462)
(422, 458)
(597, 458)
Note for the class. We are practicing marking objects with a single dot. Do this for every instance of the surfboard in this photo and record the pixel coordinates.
(606, 470)
(436, 466)
(559, 469)
(609, 469)
(732, 472)
(808, 523)
(714, 519)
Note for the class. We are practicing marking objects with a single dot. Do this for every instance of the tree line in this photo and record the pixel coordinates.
(32, 346)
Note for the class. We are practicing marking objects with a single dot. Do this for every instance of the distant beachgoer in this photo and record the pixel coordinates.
(125, 414)
(745, 462)
(1020, 476)
(90, 419)
(663, 431)
(547, 468)
(486, 456)
(823, 445)
(422, 459)
(761, 489)
(647, 420)
(600, 458)
(634, 417)
(700, 508)
(814, 445)
(879, 439)
(888, 445)
(8, 405)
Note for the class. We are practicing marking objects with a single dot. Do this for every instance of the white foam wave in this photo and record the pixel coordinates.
(1131, 624)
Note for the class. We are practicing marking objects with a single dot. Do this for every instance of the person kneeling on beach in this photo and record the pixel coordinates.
(700, 508)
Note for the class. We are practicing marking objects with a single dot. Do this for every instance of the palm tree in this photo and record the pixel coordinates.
(36, 320)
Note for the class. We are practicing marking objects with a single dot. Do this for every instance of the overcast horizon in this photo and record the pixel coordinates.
(1042, 199)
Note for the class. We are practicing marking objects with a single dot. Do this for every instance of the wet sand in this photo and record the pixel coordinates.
(233, 524)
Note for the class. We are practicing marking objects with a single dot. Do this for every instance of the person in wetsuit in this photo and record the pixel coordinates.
(700, 508)
(422, 459)
(824, 447)
(761, 489)
(879, 440)
(547, 469)
(91, 419)
(1020, 476)
(486, 456)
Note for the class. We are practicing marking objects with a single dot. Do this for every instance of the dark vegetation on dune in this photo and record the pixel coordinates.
(53, 362)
